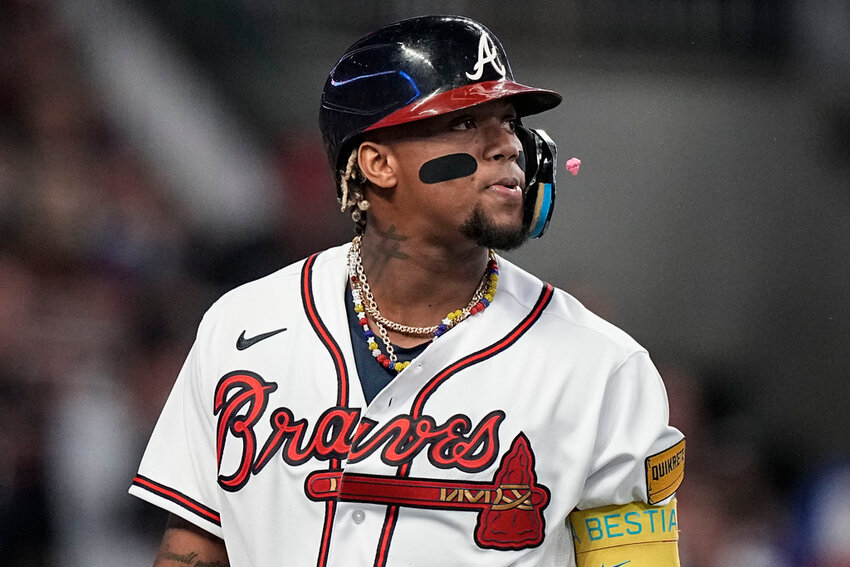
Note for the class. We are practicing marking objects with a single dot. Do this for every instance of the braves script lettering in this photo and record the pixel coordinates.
(241, 399)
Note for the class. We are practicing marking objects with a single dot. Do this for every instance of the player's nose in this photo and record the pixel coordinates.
(500, 140)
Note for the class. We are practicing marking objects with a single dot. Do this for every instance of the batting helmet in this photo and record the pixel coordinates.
(414, 69)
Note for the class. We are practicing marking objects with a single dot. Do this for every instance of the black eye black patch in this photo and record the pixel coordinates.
(446, 168)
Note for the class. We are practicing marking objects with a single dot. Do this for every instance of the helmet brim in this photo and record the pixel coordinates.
(527, 101)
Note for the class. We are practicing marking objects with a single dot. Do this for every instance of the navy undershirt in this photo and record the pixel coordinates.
(373, 376)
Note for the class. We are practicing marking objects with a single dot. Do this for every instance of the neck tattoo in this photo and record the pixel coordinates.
(364, 303)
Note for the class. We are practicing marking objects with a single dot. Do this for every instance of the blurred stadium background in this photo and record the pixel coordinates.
(155, 153)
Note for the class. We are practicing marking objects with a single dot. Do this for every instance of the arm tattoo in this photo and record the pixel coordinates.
(190, 558)
(183, 559)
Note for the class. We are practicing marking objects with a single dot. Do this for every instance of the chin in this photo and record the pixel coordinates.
(485, 232)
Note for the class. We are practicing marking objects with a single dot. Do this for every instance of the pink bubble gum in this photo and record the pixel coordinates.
(573, 164)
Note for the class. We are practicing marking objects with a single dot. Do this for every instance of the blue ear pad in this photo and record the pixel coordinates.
(541, 212)
(446, 168)
(540, 155)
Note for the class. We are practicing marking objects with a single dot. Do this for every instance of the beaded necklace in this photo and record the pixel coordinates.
(360, 290)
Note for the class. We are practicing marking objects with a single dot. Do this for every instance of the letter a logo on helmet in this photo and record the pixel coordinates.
(487, 53)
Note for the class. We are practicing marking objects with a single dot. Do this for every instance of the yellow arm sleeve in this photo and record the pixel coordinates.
(633, 535)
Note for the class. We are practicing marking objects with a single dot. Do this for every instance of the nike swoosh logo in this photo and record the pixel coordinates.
(619, 564)
(242, 343)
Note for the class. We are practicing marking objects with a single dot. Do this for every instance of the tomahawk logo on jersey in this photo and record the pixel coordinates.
(480, 444)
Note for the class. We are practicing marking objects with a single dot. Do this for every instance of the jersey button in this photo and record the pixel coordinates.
(358, 516)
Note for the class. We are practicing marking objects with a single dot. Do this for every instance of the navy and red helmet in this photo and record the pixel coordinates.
(415, 69)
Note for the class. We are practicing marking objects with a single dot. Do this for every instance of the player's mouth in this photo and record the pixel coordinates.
(508, 187)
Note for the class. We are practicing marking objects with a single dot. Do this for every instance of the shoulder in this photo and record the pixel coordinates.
(565, 321)
(275, 294)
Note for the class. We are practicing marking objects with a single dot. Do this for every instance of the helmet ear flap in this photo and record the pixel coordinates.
(539, 159)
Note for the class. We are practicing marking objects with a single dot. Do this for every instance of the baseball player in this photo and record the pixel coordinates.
(411, 397)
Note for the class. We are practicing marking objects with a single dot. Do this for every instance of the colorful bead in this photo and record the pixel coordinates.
(447, 323)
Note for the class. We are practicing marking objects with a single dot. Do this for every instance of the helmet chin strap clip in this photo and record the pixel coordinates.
(540, 155)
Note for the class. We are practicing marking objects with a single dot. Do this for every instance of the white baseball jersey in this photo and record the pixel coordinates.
(473, 455)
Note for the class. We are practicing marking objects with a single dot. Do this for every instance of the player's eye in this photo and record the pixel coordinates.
(465, 123)
(511, 122)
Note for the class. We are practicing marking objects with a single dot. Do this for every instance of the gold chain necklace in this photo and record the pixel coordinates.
(361, 290)
(409, 330)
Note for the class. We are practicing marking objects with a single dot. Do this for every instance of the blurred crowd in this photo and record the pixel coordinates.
(103, 279)
(97, 300)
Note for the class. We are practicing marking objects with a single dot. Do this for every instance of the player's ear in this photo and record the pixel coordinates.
(376, 163)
